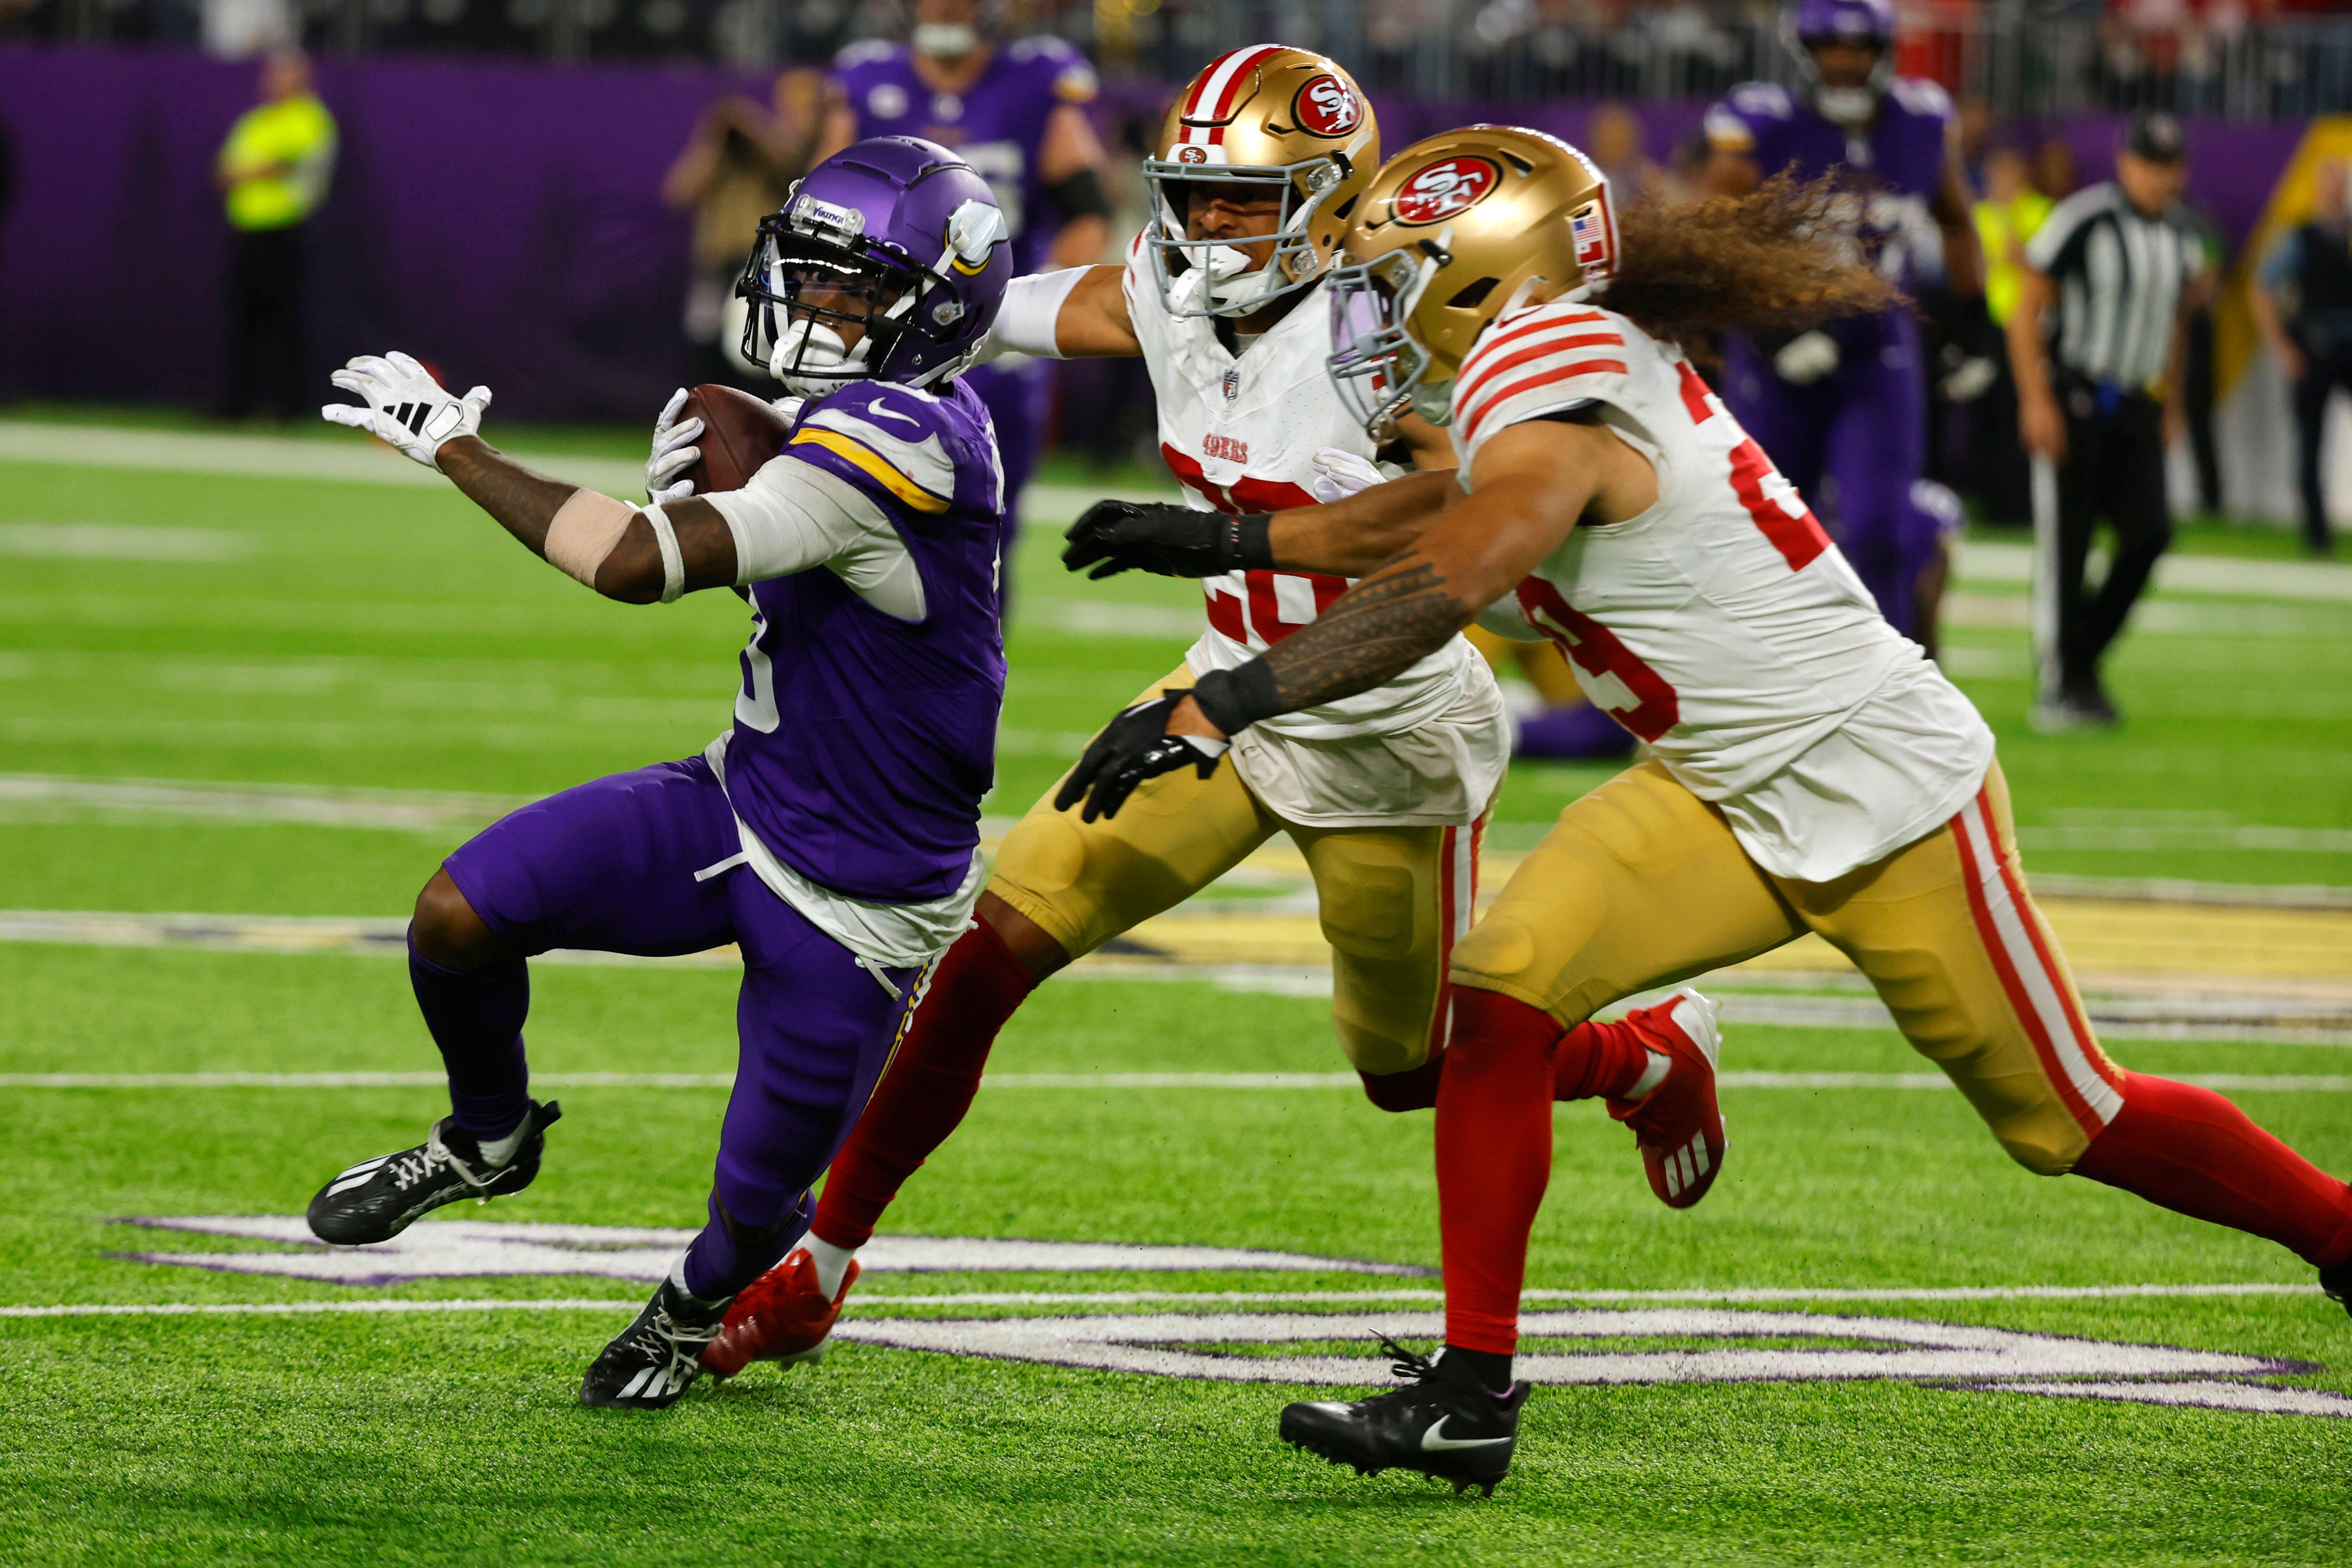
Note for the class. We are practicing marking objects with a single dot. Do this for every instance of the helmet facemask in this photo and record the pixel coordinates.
(1848, 108)
(808, 278)
(1213, 276)
(1380, 371)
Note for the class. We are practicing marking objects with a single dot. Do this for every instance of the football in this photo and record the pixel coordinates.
(739, 433)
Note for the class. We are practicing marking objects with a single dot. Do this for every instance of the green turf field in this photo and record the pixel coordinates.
(230, 694)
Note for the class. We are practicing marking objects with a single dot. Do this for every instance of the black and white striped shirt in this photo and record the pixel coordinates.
(2120, 276)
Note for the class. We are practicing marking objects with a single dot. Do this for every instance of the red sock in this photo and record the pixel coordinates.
(1494, 1158)
(2195, 1153)
(1606, 1059)
(924, 1096)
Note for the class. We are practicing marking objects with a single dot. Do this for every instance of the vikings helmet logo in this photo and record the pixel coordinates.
(1443, 189)
(1325, 107)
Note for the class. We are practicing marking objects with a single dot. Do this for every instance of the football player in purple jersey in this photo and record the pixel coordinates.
(1849, 403)
(1012, 112)
(832, 832)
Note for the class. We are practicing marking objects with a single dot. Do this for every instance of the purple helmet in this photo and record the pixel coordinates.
(894, 236)
(1868, 22)
(1851, 21)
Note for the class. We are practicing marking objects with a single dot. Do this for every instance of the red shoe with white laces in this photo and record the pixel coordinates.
(1677, 1125)
(781, 1316)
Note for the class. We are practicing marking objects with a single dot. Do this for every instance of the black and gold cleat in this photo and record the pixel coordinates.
(1441, 1423)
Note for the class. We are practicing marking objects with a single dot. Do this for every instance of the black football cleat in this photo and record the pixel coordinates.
(376, 1199)
(1441, 1423)
(657, 1357)
(2335, 1280)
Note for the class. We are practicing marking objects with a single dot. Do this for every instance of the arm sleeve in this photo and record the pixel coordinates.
(794, 515)
(1025, 323)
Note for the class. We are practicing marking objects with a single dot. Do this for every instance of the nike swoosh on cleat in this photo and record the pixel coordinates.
(1436, 1441)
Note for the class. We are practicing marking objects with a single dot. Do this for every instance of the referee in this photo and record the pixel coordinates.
(2095, 344)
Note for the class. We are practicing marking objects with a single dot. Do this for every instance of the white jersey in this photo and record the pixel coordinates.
(1241, 433)
(1721, 626)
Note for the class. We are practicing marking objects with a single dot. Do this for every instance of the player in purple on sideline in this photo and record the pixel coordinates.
(1011, 112)
(832, 832)
(1849, 402)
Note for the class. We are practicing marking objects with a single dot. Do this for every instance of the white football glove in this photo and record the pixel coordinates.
(406, 406)
(1806, 358)
(673, 451)
(1338, 475)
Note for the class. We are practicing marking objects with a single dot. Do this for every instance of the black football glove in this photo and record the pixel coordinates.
(1115, 536)
(1134, 747)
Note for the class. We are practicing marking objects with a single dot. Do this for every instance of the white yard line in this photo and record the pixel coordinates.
(2299, 1083)
(1986, 562)
(1138, 1297)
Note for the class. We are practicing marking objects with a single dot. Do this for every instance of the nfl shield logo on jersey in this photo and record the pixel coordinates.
(1232, 383)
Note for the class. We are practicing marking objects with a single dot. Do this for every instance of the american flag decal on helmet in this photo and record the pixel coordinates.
(1595, 244)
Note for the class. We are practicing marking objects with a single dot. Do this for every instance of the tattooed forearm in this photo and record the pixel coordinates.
(523, 502)
(1400, 614)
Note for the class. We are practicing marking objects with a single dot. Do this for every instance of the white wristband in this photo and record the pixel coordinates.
(673, 559)
(1025, 323)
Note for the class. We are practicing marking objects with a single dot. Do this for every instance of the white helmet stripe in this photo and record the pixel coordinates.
(1212, 99)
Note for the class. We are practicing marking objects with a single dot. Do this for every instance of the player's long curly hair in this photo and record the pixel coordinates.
(1762, 263)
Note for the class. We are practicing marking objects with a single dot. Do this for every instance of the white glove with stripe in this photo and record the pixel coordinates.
(406, 406)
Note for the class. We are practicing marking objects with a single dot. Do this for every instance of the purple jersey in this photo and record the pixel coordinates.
(998, 125)
(864, 743)
(1892, 169)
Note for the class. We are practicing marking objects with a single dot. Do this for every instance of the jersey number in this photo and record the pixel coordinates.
(1655, 709)
(1309, 593)
(1780, 513)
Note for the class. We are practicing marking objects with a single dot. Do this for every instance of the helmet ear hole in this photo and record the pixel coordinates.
(1340, 212)
(1516, 162)
(1471, 296)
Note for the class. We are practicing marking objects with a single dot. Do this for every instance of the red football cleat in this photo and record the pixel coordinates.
(781, 1316)
(1677, 1125)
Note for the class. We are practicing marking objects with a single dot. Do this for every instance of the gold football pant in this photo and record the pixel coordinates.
(1393, 901)
(1641, 884)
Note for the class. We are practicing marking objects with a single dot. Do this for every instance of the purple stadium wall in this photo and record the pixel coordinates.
(500, 219)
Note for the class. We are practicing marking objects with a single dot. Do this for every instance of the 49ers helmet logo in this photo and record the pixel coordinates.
(1325, 107)
(1443, 189)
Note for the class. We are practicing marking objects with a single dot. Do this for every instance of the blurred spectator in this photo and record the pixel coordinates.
(273, 170)
(1612, 140)
(2302, 303)
(736, 169)
(2055, 174)
(2006, 218)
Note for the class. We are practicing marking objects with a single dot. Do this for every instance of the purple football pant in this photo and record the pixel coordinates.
(610, 865)
(1863, 428)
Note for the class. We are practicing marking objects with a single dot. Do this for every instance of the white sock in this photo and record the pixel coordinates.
(832, 1262)
(499, 1150)
(1651, 1075)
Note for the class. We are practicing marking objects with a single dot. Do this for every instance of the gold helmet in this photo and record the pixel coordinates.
(1455, 230)
(1264, 119)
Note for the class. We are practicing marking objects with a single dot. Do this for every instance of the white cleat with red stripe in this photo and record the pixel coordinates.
(1677, 1125)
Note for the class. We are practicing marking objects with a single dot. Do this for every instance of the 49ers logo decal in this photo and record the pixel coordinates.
(1325, 107)
(1444, 188)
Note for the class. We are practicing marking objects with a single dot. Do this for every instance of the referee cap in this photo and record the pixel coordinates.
(2154, 136)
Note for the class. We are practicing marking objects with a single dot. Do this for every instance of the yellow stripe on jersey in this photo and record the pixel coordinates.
(888, 477)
